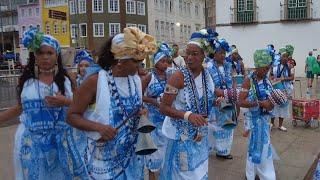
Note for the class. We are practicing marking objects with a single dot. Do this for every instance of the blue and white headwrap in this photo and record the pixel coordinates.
(164, 50)
(271, 49)
(83, 55)
(205, 39)
(275, 56)
(222, 44)
(33, 39)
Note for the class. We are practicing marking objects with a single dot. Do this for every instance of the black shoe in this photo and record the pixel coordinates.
(225, 157)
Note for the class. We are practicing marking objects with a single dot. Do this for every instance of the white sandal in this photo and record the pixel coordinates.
(282, 129)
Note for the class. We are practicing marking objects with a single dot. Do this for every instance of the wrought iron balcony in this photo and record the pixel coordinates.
(297, 12)
(244, 17)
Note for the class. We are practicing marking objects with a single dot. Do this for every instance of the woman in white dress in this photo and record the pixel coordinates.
(282, 72)
(153, 87)
(44, 143)
(107, 106)
(187, 103)
(255, 95)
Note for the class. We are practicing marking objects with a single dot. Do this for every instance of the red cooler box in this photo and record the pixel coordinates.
(305, 109)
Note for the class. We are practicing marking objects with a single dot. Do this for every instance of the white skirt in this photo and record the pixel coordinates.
(16, 152)
(282, 111)
(265, 170)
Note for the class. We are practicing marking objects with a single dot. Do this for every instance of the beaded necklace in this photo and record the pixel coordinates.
(194, 96)
(223, 84)
(257, 92)
(115, 93)
(159, 80)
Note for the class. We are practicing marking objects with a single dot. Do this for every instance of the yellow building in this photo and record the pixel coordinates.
(55, 20)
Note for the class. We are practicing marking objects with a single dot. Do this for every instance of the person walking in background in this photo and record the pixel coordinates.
(177, 59)
(308, 70)
(318, 61)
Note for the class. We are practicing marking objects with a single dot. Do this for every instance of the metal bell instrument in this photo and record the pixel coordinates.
(145, 145)
(224, 106)
(145, 125)
(231, 123)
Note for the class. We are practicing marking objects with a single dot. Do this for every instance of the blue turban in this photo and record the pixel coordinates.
(163, 51)
(222, 44)
(271, 50)
(33, 39)
(83, 55)
(205, 39)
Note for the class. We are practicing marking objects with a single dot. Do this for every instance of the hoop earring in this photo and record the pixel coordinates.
(36, 71)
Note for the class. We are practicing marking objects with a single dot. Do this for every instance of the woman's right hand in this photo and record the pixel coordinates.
(197, 120)
(107, 132)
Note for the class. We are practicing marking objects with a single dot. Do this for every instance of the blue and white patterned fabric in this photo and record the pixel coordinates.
(236, 65)
(47, 148)
(33, 40)
(222, 44)
(205, 39)
(278, 72)
(221, 139)
(185, 158)
(283, 71)
(155, 89)
(259, 119)
(115, 159)
(83, 55)
(80, 56)
(260, 151)
(317, 173)
(163, 51)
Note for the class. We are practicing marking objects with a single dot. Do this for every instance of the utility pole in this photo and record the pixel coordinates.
(2, 45)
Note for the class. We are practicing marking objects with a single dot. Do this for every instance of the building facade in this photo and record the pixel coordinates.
(173, 21)
(252, 24)
(9, 29)
(55, 20)
(210, 13)
(92, 22)
(49, 16)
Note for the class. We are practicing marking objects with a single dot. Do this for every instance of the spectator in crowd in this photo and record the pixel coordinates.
(177, 59)
(308, 70)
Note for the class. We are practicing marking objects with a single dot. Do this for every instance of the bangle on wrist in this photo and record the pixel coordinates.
(186, 115)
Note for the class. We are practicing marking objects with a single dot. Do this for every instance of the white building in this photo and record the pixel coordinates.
(173, 21)
(252, 24)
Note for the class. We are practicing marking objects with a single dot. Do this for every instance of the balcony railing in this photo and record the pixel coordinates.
(296, 13)
(244, 17)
